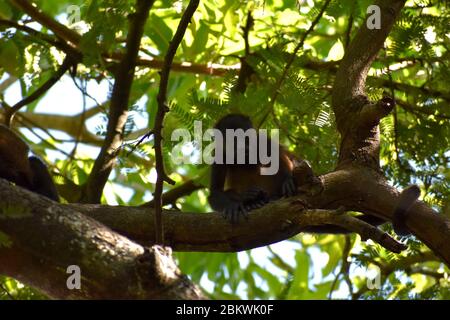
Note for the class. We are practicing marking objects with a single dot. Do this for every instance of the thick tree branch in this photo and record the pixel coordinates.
(355, 189)
(360, 142)
(118, 113)
(272, 223)
(47, 237)
(44, 238)
(43, 37)
(351, 76)
(59, 29)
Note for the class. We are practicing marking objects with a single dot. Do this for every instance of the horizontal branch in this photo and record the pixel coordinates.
(68, 233)
(209, 232)
(67, 63)
(38, 15)
(72, 37)
(177, 192)
(41, 239)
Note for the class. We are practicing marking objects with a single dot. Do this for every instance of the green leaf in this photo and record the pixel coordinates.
(9, 54)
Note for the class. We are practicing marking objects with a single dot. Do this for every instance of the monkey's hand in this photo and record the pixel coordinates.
(254, 198)
(251, 199)
(233, 210)
(289, 187)
(228, 203)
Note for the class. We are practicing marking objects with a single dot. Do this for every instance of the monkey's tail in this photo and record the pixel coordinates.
(406, 199)
(333, 229)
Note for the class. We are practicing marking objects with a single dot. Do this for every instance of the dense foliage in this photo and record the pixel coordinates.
(415, 139)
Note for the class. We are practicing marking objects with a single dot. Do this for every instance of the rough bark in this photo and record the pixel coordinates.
(44, 238)
(275, 222)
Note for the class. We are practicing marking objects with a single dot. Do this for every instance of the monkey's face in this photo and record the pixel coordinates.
(234, 121)
(236, 141)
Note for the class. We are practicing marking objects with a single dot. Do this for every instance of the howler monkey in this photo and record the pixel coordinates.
(236, 188)
(26, 171)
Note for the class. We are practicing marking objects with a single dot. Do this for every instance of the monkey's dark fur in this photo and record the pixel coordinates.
(236, 189)
(26, 171)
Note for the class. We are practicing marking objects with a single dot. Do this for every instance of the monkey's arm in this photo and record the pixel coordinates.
(42, 181)
(216, 199)
(288, 183)
(225, 202)
(231, 203)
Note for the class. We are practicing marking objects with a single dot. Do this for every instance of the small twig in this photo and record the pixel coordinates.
(174, 194)
(346, 263)
(67, 63)
(84, 91)
(162, 109)
(344, 268)
(420, 112)
(411, 89)
(38, 15)
(351, 223)
(405, 263)
(81, 123)
(7, 83)
(279, 262)
(348, 31)
(367, 231)
(43, 37)
(292, 57)
(246, 31)
(246, 71)
(138, 143)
